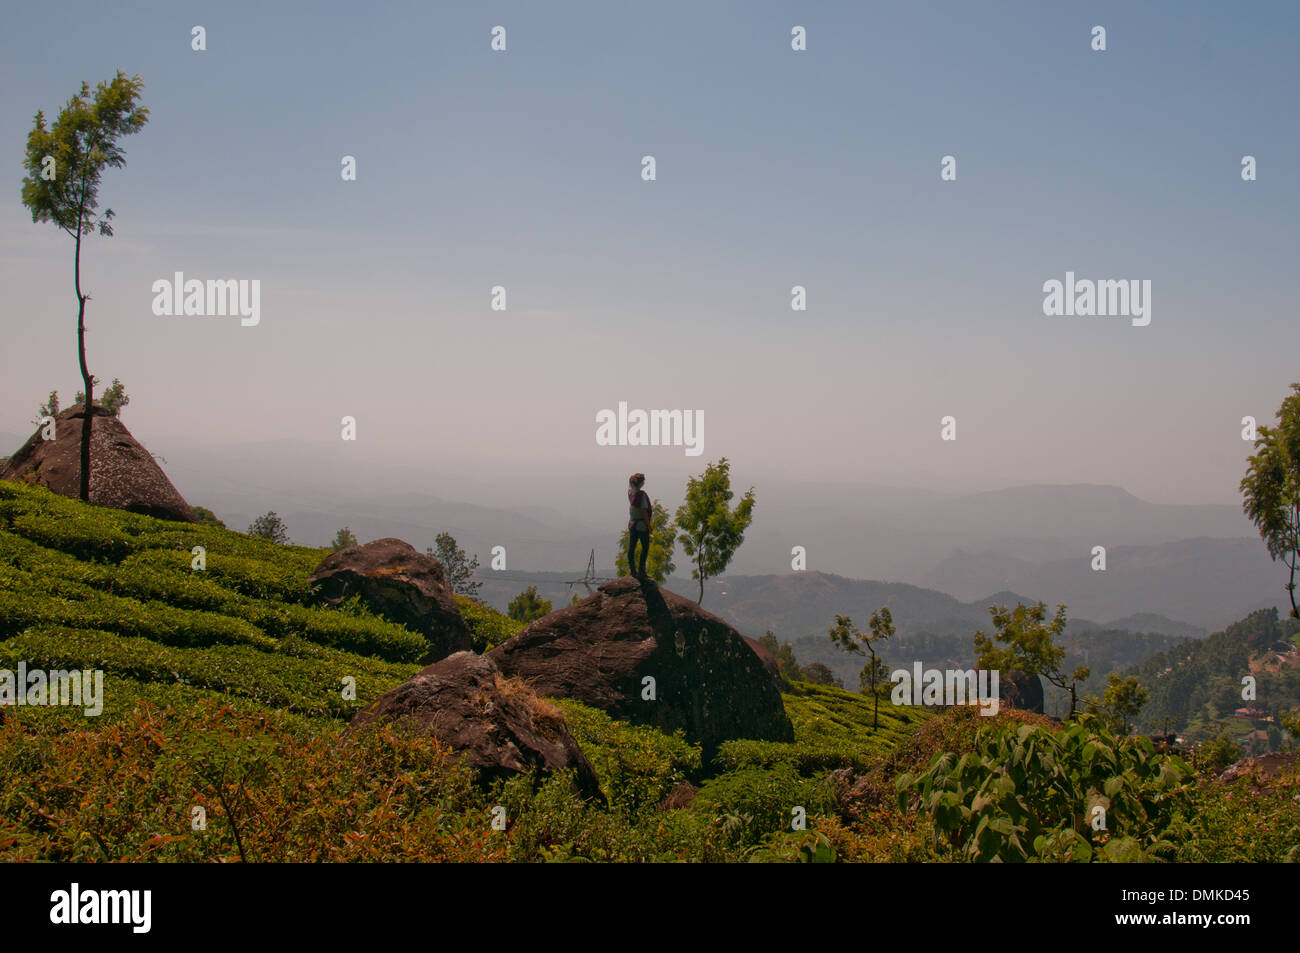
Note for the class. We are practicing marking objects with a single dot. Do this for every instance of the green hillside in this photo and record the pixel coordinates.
(239, 651)
(223, 738)
(1196, 685)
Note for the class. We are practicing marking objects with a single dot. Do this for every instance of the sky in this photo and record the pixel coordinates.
(774, 168)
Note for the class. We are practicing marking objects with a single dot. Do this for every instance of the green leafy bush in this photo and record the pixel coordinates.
(1031, 793)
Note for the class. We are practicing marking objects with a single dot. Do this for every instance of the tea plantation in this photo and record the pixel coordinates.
(223, 738)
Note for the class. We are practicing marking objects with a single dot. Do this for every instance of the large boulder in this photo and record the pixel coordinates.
(1017, 689)
(123, 474)
(708, 680)
(400, 584)
(500, 726)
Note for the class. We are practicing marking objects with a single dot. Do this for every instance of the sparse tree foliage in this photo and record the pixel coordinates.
(1030, 646)
(48, 409)
(528, 606)
(269, 526)
(819, 674)
(1271, 488)
(65, 162)
(343, 539)
(711, 531)
(1122, 700)
(113, 399)
(784, 653)
(457, 564)
(846, 635)
(663, 546)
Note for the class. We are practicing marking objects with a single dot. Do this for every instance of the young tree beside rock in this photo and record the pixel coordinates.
(1122, 700)
(64, 164)
(343, 539)
(1031, 646)
(711, 531)
(113, 399)
(528, 606)
(784, 653)
(269, 526)
(48, 409)
(457, 564)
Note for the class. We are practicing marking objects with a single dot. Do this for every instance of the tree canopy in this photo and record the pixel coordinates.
(1271, 488)
(711, 531)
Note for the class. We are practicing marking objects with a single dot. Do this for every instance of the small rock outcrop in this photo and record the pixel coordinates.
(1262, 769)
(123, 474)
(498, 724)
(403, 585)
(1017, 689)
(708, 680)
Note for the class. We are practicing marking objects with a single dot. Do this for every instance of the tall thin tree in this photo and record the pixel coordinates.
(64, 164)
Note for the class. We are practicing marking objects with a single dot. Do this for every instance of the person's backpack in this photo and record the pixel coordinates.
(640, 500)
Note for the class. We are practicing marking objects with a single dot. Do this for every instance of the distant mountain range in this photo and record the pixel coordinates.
(1211, 581)
(1199, 566)
(798, 603)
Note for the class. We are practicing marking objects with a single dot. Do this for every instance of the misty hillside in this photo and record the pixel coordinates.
(1204, 582)
(854, 529)
(1202, 565)
(1198, 566)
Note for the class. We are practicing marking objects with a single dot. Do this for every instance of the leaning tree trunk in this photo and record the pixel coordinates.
(86, 380)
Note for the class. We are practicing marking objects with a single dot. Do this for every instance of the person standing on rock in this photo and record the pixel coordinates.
(638, 524)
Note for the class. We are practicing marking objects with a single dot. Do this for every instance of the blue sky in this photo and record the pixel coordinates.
(775, 168)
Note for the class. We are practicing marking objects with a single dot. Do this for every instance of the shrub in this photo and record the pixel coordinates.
(1030, 792)
(747, 805)
(271, 791)
(86, 535)
(1218, 753)
(488, 628)
(637, 765)
(806, 759)
(1243, 822)
(306, 684)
